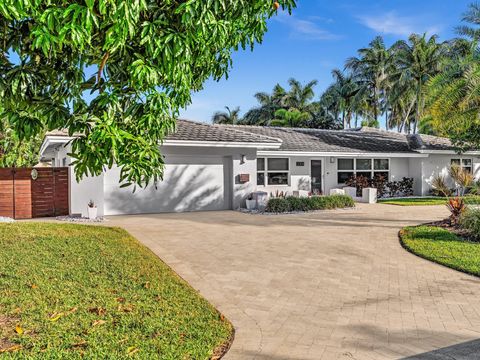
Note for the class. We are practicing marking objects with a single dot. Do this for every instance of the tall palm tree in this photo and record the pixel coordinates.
(268, 104)
(300, 96)
(290, 118)
(326, 111)
(229, 117)
(370, 69)
(346, 89)
(419, 59)
(454, 95)
(472, 17)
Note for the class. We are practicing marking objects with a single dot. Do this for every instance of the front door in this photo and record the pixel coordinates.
(316, 176)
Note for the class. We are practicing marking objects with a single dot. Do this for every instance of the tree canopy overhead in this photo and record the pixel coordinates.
(117, 72)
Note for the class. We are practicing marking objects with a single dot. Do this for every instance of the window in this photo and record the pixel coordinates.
(370, 168)
(273, 171)
(465, 164)
(260, 171)
(345, 170)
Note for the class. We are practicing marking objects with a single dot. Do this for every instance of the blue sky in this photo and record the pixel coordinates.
(317, 37)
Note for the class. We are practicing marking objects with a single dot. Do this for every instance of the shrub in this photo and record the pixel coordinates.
(440, 187)
(470, 221)
(456, 206)
(291, 203)
(359, 182)
(403, 187)
(278, 205)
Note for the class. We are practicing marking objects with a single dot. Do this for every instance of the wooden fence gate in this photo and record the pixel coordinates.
(27, 193)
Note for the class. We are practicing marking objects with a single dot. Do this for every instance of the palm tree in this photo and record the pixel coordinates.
(454, 95)
(370, 70)
(346, 89)
(268, 104)
(327, 110)
(290, 118)
(300, 96)
(229, 117)
(471, 16)
(419, 59)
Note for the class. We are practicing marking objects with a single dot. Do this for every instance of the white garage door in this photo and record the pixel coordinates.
(189, 184)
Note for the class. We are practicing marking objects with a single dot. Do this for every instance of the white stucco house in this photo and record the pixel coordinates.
(215, 167)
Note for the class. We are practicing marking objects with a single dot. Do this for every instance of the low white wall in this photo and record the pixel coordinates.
(88, 188)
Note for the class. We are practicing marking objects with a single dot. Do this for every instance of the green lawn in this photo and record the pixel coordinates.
(76, 291)
(422, 201)
(414, 201)
(441, 246)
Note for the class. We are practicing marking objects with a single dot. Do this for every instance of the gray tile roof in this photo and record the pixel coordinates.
(360, 140)
(195, 131)
(428, 142)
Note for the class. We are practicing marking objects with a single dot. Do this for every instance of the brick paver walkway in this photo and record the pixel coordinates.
(328, 285)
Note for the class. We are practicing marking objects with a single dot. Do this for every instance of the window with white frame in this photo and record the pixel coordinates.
(370, 168)
(464, 163)
(273, 171)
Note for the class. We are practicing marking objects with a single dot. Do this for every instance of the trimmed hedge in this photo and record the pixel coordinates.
(294, 204)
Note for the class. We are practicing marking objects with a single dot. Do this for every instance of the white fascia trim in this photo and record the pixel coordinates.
(340, 154)
(53, 140)
(228, 144)
(448, 152)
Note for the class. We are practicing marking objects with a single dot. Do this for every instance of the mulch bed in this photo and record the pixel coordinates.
(454, 228)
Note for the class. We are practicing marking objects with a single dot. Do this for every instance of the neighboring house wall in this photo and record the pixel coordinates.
(208, 178)
(415, 171)
(437, 164)
(299, 174)
(399, 168)
(195, 178)
(88, 188)
(81, 192)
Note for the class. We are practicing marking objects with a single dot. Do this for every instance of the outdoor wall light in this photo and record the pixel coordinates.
(332, 160)
(243, 159)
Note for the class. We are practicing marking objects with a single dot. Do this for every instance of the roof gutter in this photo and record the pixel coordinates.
(340, 154)
(53, 140)
(227, 144)
(448, 152)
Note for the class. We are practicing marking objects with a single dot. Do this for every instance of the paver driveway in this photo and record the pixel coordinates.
(324, 285)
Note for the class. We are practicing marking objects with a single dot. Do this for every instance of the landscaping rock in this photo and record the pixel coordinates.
(79, 219)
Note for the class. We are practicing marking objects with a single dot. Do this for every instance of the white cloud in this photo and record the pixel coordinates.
(306, 29)
(391, 23)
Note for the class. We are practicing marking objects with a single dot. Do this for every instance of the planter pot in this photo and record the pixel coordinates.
(251, 204)
(92, 213)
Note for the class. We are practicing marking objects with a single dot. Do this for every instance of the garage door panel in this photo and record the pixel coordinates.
(188, 185)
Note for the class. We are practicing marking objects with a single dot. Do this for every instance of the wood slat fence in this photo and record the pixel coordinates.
(22, 197)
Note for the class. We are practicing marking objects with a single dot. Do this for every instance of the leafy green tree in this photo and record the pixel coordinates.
(230, 117)
(116, 71)
(290, 118)
(18, 153)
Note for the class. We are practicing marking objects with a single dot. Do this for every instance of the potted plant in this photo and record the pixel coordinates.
(92, 210)
(251, 202)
